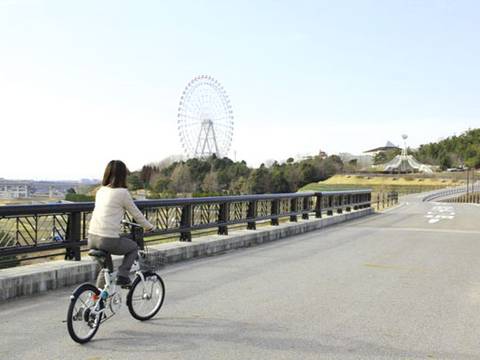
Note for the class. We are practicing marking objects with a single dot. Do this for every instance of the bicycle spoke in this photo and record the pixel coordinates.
(147, 297)
(83, 321)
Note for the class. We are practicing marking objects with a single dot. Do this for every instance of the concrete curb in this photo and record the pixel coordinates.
(38, 278)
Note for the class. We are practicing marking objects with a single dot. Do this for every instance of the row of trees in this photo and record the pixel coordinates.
(462, 150)
(455, 151)
(213, 176)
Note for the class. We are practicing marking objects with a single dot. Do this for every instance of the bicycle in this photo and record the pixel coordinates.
(91, 305)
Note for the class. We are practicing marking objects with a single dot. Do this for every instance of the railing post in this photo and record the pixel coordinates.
(74, 226)
(294, 208)
(330, 203)
(223, 216)
(306, 207)
(318, 205)
(186, 223)
(275, 209)
(349, 203)
(355, 202)
(252, 215)
(340, 203)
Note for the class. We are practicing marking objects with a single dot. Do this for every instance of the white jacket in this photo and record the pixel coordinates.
(110, 206)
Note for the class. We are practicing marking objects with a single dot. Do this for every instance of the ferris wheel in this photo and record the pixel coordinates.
(205, 118)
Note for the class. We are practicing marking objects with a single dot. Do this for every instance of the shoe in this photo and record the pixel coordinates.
(123, 281)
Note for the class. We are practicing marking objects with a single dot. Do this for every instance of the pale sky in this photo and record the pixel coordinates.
(82, 83)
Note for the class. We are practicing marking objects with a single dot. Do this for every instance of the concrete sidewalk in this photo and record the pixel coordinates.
(37, 278)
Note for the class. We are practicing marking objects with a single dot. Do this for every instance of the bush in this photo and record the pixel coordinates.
(79, 198)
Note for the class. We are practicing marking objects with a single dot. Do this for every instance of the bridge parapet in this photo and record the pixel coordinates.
(35, 231)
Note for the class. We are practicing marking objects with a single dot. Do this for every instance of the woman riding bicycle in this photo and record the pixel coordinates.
(111, 202)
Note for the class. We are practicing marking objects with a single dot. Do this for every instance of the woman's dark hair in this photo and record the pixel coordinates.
(115, 174)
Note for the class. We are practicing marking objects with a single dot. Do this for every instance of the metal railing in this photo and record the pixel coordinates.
(31, 229)
(452, 192)
(386, 199)
(470, 198)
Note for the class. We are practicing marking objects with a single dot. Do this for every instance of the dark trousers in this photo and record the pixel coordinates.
(116, 246)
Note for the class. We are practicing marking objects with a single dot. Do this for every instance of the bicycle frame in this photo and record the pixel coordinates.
(110, 289)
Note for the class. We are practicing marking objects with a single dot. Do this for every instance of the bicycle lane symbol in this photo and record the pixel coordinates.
(438, 213)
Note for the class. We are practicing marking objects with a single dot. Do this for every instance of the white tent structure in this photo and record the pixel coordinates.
(405, 163)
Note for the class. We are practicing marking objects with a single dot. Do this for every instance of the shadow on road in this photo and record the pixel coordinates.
(199, 335)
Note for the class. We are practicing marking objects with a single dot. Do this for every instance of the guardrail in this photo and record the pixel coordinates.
(472, 197)
(452, 192)
(31, 229)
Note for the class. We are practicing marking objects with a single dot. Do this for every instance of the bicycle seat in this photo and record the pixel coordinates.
(98, 253)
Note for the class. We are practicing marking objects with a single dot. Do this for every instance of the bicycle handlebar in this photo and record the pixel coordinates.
(125, 222)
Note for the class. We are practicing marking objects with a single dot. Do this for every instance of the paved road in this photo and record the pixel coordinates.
(400, 285)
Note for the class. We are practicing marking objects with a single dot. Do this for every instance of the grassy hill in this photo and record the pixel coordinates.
(402, 184)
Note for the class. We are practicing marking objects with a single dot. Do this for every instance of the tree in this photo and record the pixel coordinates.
(134, 182)
(181, 180)
(146, 173)
(279, 183)
(452, 151)
(162, 184)
(259, 181)
(210, 183)
(293, 176)
(445, 162)
(472, 156)
(239, 186)
(380, 158)
(199, 168)
(308, 172)
(71, 191)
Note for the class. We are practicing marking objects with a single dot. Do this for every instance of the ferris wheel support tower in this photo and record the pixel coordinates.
(206, 140)
(205, 118)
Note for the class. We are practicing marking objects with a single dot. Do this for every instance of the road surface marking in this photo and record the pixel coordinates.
(440, 212)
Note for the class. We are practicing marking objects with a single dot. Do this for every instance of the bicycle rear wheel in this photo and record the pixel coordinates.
(145, 298)
(82, 321)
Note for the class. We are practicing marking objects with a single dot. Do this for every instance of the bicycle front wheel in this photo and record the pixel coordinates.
(145, 298)
(82, 319)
